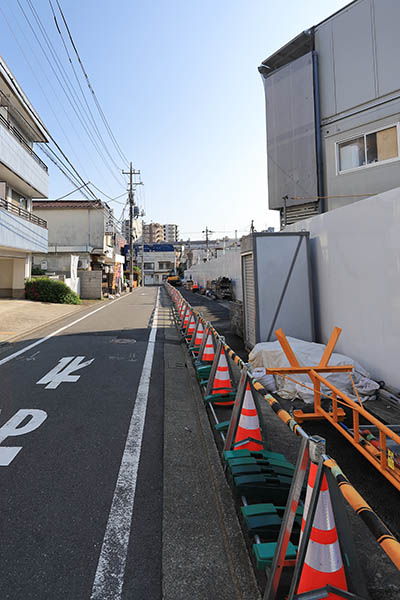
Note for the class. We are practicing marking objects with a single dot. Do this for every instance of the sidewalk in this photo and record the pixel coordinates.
(20, 317)
(204, 553)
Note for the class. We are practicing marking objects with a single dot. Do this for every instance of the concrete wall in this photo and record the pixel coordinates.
(74, 227)
(355, 253)
(15, 157)
(59, 263)
(20, 234)
(227, 265)
(90, 284)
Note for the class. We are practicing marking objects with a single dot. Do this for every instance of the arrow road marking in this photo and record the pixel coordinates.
(61, 373)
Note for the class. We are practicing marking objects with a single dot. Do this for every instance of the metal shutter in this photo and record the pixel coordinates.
(249, 299)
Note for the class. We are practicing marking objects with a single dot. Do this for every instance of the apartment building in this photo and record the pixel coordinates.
(333, 111)
(23, 176)
(153, 233)
(171, 232)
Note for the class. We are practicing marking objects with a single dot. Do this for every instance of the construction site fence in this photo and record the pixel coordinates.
(383, 536)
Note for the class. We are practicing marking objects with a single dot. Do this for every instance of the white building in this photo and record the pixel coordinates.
(137, 226)
(171, 232)
(23, 176)
(82, 228)
(158, 262)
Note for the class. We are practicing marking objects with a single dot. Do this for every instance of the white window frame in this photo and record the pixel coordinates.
(364, 135)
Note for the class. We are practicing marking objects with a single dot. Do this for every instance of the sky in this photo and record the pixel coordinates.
(178, 83)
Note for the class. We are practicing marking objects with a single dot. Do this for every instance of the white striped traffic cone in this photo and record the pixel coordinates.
(199, 334)
(222, 381)
(249, 424)
(190, 327)
(209, 352)
(323, 563)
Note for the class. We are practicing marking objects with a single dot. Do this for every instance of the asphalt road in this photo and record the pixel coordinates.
(66, 524)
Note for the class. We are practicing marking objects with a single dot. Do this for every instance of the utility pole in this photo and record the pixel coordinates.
(131, 196)
(142, 253)
(207, 232)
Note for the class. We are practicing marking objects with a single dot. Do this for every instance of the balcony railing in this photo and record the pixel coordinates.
(23, 142)
(21, 212)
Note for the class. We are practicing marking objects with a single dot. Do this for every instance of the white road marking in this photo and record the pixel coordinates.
(12, 428)
(5, 360)
(110, 570)
(61, 373)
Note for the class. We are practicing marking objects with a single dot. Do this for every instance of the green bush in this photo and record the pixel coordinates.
(38, 271)
(43, 289)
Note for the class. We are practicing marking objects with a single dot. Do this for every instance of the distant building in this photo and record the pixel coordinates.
(153, 233)
(333, 135)
(136, 229)
(159, 260)
(23, 176)
(171, 232)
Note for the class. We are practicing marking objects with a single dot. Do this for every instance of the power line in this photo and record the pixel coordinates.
(69, 193)
(116, 145)
(46, 98)
(76, 105)
(81, 90)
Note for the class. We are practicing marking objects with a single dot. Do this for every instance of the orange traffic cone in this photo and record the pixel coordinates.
(222, 381)
(182, 311)
(323, 563)
(190, 327)
(188, 314)
(209, 352)
(199, 334)
(249, 424)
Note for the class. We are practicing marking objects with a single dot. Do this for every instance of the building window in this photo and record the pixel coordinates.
(369, 149)
(165, 265)
(148, 266)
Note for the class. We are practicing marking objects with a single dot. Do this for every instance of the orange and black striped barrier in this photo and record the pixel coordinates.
(382, 534)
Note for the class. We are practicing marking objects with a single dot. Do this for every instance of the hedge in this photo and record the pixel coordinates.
(43, 289)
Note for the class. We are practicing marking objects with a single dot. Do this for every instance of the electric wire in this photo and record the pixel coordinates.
(76, 105)
(116, 145)
(55, 160)
(81, 90)
(69, 193)
(80, 110)
(45, 95)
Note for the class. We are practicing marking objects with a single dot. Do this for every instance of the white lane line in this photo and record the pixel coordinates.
(23, 350)
(110, 570)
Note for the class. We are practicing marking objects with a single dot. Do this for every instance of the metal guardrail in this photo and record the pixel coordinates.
(23, 142)
(21, 212)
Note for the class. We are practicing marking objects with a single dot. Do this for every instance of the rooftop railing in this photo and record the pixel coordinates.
(23, 142)
(21, 212)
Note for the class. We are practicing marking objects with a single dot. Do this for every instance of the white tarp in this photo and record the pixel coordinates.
(270, 355)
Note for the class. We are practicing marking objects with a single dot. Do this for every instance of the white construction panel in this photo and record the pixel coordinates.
(283, 286)
(355, 256)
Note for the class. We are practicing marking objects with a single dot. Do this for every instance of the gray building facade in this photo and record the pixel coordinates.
(333, 111)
